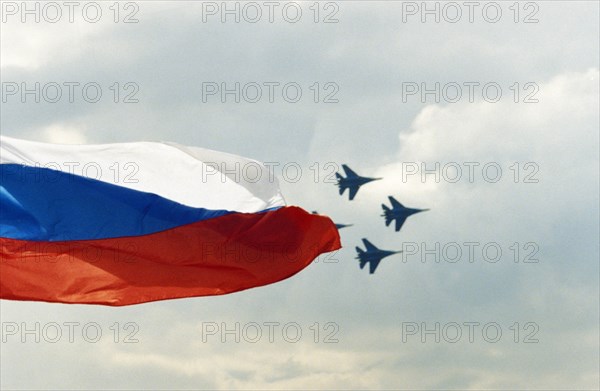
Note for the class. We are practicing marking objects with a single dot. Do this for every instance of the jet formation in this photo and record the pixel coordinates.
(397, 212)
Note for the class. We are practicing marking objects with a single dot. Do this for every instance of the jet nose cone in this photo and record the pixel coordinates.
(388, 253)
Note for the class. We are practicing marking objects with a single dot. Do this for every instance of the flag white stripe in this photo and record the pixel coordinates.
(192, 176)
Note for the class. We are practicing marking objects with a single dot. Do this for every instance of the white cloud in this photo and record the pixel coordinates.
(62, 134)
(34, 45)
(559, 135)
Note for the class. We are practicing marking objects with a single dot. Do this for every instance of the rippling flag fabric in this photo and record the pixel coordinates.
(121, 224)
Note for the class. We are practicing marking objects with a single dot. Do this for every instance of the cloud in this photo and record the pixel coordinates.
(526, 141)
(63, 134)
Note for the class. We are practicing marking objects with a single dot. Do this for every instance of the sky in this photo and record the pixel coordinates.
(486, 113)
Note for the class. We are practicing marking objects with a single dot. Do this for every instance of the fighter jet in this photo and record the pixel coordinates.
(338, 226)
(398, 212)
(372, 255)
(352, 181)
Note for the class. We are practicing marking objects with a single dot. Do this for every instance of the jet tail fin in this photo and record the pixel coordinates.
(340, 184)
(387, 213)
(362, 262)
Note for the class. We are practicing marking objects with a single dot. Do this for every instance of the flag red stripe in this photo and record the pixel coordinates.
(211, 257)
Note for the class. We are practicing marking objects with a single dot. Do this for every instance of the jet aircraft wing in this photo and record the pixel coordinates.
(368, 245)
(395, 203)
(399, 222)
(348, 171)
(373, 265)
(353, 191)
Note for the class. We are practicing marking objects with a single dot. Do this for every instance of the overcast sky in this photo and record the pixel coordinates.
(510, 115)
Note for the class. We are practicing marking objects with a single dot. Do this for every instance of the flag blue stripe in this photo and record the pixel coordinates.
(42, 204)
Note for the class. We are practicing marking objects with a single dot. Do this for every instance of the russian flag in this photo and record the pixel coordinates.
(121, 224)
